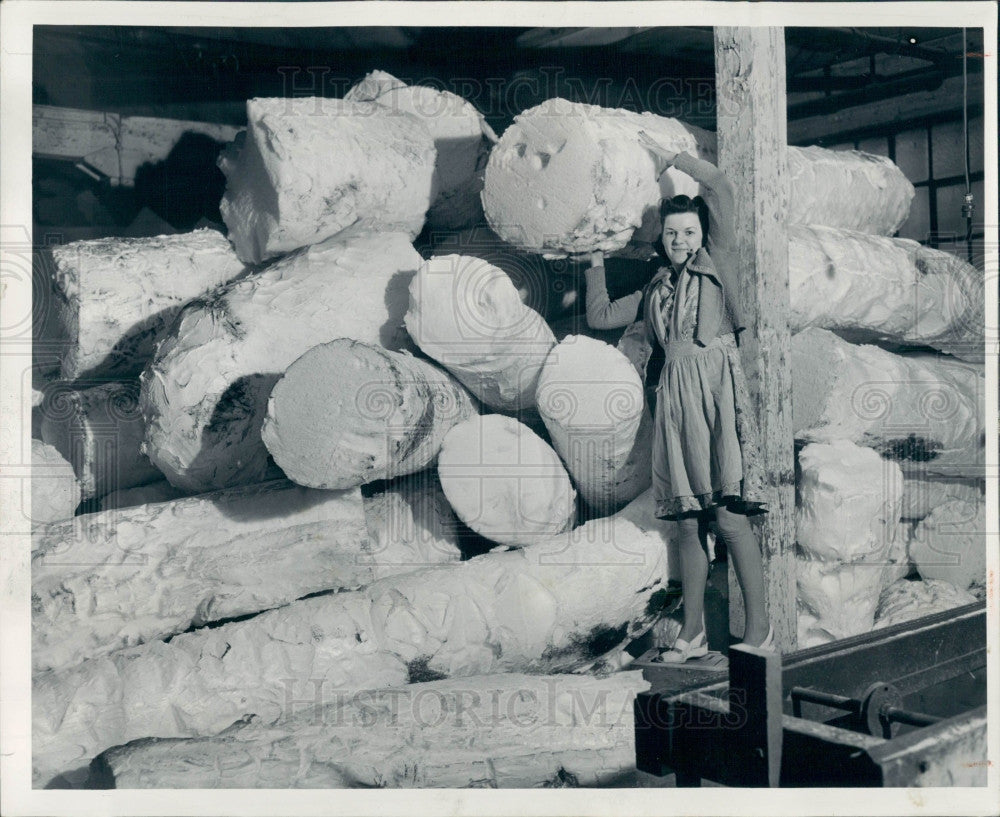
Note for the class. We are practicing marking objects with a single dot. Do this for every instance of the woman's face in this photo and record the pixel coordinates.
(681, 237)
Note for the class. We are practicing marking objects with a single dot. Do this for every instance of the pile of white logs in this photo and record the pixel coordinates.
(293, 435)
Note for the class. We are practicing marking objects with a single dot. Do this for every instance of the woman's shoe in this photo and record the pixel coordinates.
(685, 650)
(766, 644)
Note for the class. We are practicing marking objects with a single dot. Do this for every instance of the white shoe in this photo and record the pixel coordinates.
(685, 650)
(766, 644)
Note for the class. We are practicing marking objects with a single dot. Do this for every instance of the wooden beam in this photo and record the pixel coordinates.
(750, 98)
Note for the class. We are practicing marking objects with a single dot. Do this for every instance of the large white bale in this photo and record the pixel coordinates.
(924, 412)
(504, 481)
(950, 544)
(347, 413)
(556, 606)
(55, 490)
(847, 530)
(495, 731)
(100, 431)
(116, 297)
(308, 169)
(593, 405)
(462, 140)
(906, 600)
(205, 394)
(884, 288)
(570, 178)
(466, 314)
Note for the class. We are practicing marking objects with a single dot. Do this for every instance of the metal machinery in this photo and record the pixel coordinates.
(843, 714)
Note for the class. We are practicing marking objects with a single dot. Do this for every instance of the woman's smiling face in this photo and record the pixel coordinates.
(682, 237)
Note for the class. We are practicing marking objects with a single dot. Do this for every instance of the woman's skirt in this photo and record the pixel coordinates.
(705, 444)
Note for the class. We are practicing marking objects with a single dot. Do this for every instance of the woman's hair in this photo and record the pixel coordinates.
(683, 204)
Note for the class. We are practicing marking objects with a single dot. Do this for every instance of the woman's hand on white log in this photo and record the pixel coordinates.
(654, 147)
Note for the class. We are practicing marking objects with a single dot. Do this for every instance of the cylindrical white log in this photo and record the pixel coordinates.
(892, 289)
(950, 544)
(569, 178)
(592, 402)
(461, 137)
(466, 314)
(100, 431)
(496, 731)
(504, 481)
(116, 297)
(308, 169)
(55, 490)
(205, 393)
(348, 413)
(556, 606)
(906, 600)
(924, 412)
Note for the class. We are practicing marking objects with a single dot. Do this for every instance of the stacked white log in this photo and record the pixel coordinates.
(55, 490)
(551, 607)
(504, 481)
(309, 169)
(593, 405)
(100, 431)
(950, 544)
(906, 600)
(205, 393)
(884, 288)
(466, 314)
(847, 524)
(922, 495)
(571, 178)
(347, 413)
(924, 412)
(116, 297)
(495, 731)
(462, 140)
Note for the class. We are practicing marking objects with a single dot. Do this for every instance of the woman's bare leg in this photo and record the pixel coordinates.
(735, 530)
(694, 575)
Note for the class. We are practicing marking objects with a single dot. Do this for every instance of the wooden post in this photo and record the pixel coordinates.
(752, 138)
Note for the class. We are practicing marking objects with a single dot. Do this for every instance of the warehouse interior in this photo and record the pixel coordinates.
(134, 132)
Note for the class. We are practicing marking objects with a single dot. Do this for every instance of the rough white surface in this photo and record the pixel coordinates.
(886, 288)
(504, 481)
(925, 412)
(307, 169)
(55, 490)
(494, 731)
(205, 393)
(847, 529)
(466, 314)
(462, 140)
(556, 606)
(921, 496)
(906, 600)
(116, 297)
(592, 402)
(347, 413)
(100, 431)
(569, 178)
(950, 544)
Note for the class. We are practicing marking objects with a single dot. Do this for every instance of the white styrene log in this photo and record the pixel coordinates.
(116, 297)
(347, 413)
(467, 315)
(570, 178)
(925, 412)
(950, 544)
(922, 495)
(100, 431)
(310, 168)
(504, 481)
(847, 531)
(881, 288)
(55, 490)
(906, 600)
(205, 394)
(496, 731)
(593, 405)
(557, 606)
(461, 137)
